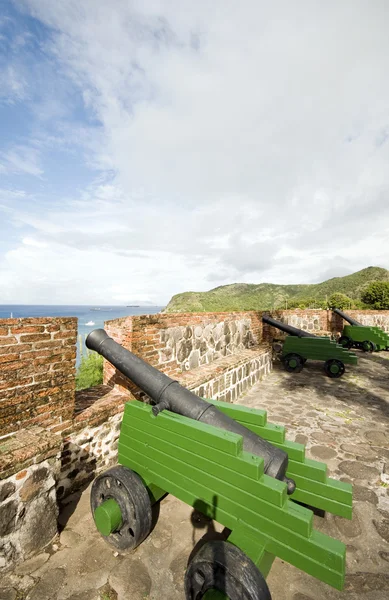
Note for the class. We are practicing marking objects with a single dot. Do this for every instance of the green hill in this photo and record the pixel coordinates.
(264, 296)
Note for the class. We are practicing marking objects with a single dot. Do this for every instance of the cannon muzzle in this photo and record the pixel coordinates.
(169, 394)
(287, 328)
(347, 318)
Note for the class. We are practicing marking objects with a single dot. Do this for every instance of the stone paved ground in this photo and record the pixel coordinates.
(344, 422)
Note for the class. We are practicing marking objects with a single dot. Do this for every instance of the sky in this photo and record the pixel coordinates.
(152, 148)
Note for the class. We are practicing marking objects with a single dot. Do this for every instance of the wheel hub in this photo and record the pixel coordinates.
(108, 517)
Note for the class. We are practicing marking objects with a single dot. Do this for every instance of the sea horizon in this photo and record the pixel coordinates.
(90, 316)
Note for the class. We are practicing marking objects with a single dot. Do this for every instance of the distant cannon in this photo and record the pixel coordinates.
(364, 337)
(300, 346)
(219, 465)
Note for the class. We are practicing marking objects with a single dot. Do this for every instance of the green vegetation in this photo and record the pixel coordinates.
(376, 295)
(339, 300)
(90, 371)
(268, 296)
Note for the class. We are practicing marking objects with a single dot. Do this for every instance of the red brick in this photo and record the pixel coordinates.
(8, 341)
(37, 337)
(60, 427)
(5, 358)
(28, 329)
(53, 327)
(20, 348)
(44, 360)
(42, 377)
(20, 364)
(49, 391)
(48, 344)
(8, 322)
(64, 335)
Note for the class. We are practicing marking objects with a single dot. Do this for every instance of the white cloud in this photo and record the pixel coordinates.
(245, 145)
(21, 159)
(14, 85)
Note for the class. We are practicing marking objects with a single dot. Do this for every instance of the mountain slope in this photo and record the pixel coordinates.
(249, 296)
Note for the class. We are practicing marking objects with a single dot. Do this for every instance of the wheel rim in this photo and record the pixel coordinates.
(121, 508)
(293, 363)
(334, 368)
(221, 571)
(367, 346)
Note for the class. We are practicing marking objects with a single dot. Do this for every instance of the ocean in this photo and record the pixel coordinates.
(89, 317)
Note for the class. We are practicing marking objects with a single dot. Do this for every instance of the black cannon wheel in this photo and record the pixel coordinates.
(221, 567)
(128, 491)
(345, 341)
(368, 346)
(293, 363)
(334, 368)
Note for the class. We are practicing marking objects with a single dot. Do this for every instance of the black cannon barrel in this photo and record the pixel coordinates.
(169, 394)
(347, 318)
(287, 328)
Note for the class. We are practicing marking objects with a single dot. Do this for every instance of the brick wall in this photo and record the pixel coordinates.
(37, 372)
(159, 338)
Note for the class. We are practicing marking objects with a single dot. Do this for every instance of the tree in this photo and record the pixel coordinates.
(376, 295)
(339, 300)
(90, 371)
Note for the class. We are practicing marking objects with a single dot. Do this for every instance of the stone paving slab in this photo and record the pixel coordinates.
(344, 422)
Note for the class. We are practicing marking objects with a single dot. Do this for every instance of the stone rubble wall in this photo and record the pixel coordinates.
(29, 498)
(195, 345)
(28, 511)
(236, 380)
(83, 453)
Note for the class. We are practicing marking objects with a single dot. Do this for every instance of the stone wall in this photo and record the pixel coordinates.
(367, 317)
(85, 452)
(28, 511)
(37, 372)
(309, 320)
(39, 468)
(237, 378)
(179, 342)
(29, 464)
(315, 321)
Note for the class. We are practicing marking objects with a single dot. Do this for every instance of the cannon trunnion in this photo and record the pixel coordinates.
(208, 467)
(300, 346)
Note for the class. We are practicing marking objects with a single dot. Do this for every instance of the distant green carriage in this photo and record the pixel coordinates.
(363, 337)
(300, 346)
(207, 467)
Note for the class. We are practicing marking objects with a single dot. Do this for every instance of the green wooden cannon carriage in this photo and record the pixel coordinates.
(209, 467)
(300, 346)
(363, 337)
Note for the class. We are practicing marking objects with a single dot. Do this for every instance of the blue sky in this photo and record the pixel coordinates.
(152, 148)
